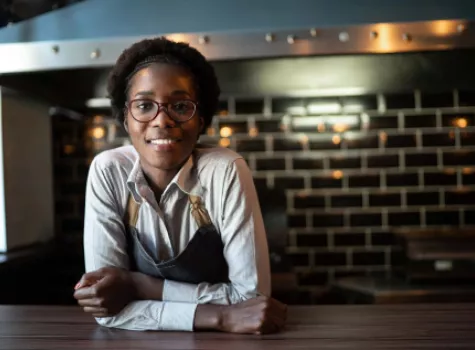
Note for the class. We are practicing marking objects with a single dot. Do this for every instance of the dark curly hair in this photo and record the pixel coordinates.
(167, 51)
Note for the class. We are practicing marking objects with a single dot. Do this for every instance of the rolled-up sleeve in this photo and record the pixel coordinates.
(105, 245)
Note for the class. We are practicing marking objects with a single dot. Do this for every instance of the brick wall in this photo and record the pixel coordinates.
(353, 169)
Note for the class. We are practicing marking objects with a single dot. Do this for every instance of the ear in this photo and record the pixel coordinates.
(202, 125)
(126, 125)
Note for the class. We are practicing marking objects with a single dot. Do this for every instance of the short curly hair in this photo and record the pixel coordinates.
(182, 54)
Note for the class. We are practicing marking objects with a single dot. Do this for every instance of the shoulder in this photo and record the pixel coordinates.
(115, 161)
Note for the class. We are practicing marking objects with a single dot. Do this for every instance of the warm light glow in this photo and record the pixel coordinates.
(467, 170)
(460, 122)
(302, 194)
(223, 112)
(98, 132)
(384, 42)
(336, 139)
(337, 174)
(224, 142)
(253, 132)
(177, 37)
(211, 131)
(449, 171)
(304, 139)
(321, 127)
(383, 136)
(443, 27)
(340, 127)
(225, 131)
(98, 119)
(69, 149)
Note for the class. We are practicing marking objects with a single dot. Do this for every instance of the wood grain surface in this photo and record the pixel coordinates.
(420, 326)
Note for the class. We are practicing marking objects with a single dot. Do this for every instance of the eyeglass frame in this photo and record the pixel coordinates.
(160, 105)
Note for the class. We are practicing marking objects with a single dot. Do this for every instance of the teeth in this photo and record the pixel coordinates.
(162, 141)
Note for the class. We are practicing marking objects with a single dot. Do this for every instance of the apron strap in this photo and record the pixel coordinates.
(199, 212)
(131, 214)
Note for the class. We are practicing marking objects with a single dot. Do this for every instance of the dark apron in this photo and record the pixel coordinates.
(201, 261)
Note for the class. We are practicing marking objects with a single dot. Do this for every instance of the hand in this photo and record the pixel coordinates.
(261, 315)
(105, 292)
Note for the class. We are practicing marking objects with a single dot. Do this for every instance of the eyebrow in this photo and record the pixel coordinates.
(151, 93)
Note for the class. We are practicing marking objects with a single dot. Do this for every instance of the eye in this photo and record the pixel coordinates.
(181, 107)
(143, 106)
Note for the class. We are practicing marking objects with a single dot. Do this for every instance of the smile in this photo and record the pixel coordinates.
(163, 141)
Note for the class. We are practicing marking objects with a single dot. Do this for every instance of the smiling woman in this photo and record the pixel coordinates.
(174, 237)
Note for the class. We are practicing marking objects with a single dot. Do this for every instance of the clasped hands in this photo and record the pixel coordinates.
(105, 292)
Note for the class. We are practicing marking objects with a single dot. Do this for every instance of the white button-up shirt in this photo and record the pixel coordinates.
(224, 182)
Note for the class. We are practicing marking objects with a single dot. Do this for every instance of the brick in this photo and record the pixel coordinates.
(349, 239)
(368, 258)
(311, 239)
(299, 259)
(330, 259)
(312, 278)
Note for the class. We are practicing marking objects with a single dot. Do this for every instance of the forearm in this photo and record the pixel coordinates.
(147, 287)
(208, 317)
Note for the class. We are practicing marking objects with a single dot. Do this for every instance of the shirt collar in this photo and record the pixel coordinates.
(187, 180)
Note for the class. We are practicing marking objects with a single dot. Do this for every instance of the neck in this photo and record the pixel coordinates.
(158, 179)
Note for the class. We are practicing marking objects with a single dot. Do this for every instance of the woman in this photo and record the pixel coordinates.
(173, 237)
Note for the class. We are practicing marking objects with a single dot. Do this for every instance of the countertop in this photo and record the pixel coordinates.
(414, 326)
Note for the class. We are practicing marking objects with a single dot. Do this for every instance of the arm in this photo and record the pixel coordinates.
(108, 276)
(245, 247)
(104, 246)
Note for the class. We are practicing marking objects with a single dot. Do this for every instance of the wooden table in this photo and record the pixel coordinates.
(424, 326)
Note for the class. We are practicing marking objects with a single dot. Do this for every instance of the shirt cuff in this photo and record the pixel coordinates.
(179, 291)
(178, 317)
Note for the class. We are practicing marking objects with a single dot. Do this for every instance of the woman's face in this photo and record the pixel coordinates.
(162, 143)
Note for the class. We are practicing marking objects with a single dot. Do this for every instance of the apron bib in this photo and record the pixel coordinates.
(201, 261)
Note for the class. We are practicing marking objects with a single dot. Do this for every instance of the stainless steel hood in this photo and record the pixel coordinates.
(65, 55)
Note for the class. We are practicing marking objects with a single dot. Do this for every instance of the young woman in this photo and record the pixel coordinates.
(173, 237)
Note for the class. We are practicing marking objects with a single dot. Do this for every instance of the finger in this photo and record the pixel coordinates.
(90, 278)
(278, 304)
(86, 293)
(268, 327)
(95, 310)
(92, 302)
(277, 319)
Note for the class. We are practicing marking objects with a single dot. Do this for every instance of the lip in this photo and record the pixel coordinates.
(163, 147)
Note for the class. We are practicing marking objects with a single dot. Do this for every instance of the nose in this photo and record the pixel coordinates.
(162, 120)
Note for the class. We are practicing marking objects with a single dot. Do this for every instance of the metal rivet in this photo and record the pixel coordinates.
(291, 39)
(406, 37)
(344, 36)
(270, 37)
(55, 49)
(95, 54)
(203, 39)
(313, 32)
(460, 28)
(373, 34)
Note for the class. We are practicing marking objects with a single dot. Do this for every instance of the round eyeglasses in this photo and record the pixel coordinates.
(144, 110)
